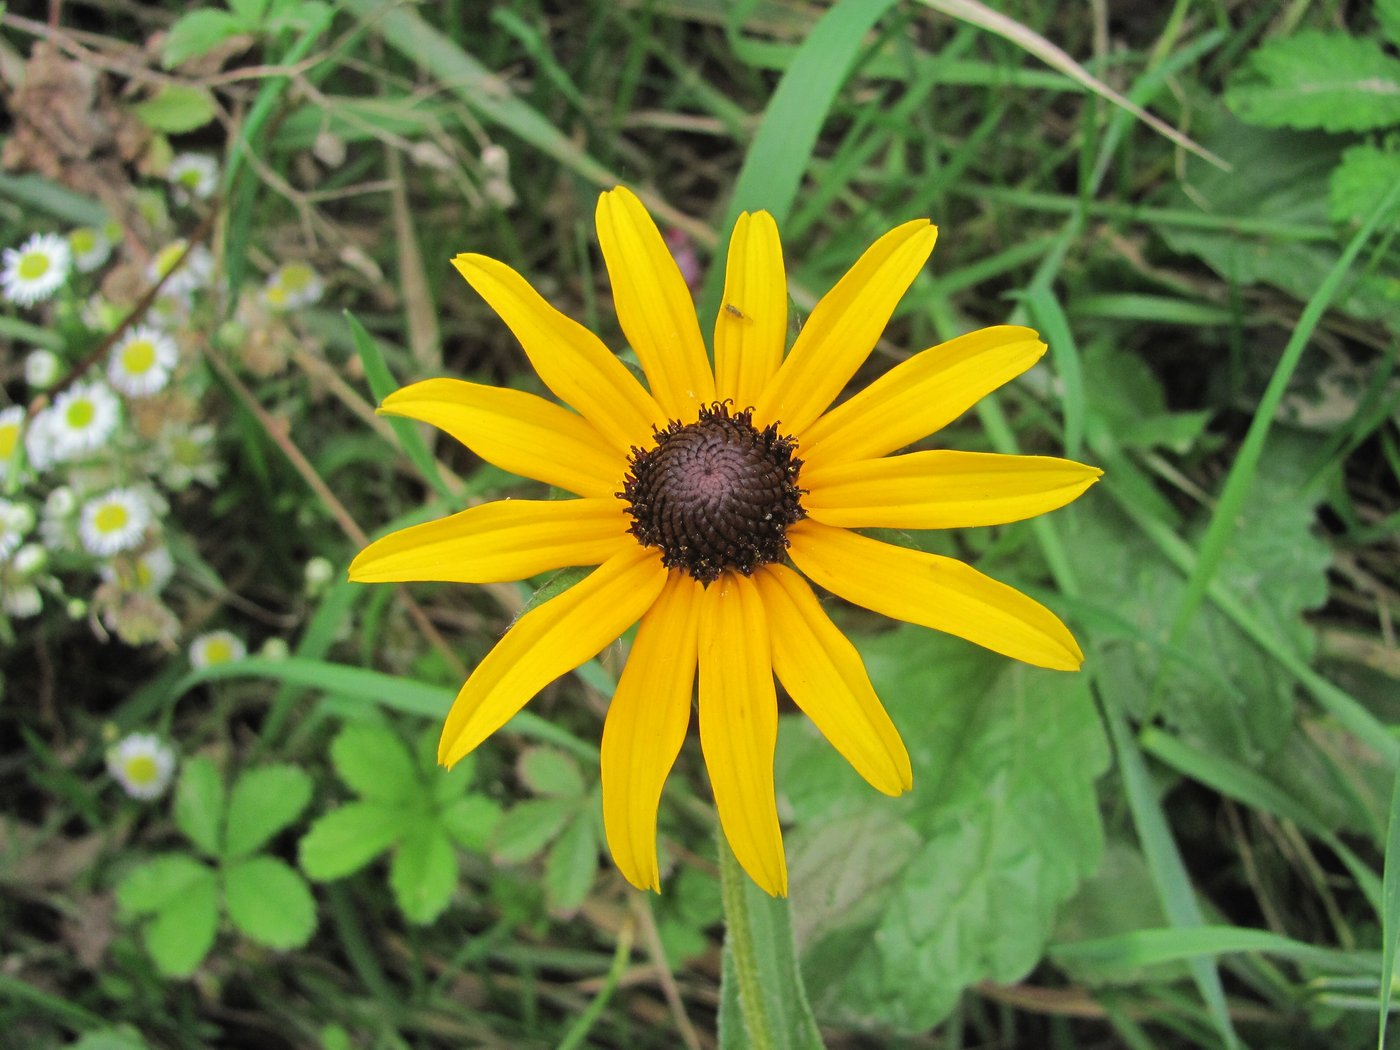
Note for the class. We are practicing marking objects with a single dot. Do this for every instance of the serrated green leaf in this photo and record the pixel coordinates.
(524, 830)
(471, 821)
(549, 772)
(262, 803)
(199, 804)
(346, 839)
(1360, 180)
(269, 902)
(153, 885)
(448, 785)
(424, 874)
(176, 109)
(181, 934)
(959, 880)
(1317, 79)
(1221, 691)
(571, 866)
(376, 764)
(197, 33)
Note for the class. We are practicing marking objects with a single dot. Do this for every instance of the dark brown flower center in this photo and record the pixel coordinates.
(715, 494)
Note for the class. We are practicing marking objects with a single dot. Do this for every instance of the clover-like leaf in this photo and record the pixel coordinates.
(182, 932)
(199, 804)
(346, 839)
(471, 821)
(375, 763)
(526, 829)
(546, 771)
(269, 902)
(197, 33)
(424, 873)
(151, 886)
(899, 904)
(177, 108)
(262, 803)
(571, 866)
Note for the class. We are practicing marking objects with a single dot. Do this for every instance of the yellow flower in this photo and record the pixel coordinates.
(694, 496)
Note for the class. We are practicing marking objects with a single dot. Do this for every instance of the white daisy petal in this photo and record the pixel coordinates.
(195, 176)
(35, 270)
(293, 285)
(193, 275)
(114, 522)
(16, 519)
(81, 420)
(90, 247)
(216, 647)
(22, 601)
(42, 369)
(142, 764)
(142, 361)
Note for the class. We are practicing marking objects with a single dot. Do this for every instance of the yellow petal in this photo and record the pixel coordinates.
(844, 328)
(826, 678)
(933, 591)
(645, 727)
(941, 489)
(516, 431)
(548, 641)
(505, 540)
(921, 395)
(572, 361)
(739, 726)
(751, 329)
(654, 305)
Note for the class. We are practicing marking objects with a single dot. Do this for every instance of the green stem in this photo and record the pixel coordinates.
(739, 937)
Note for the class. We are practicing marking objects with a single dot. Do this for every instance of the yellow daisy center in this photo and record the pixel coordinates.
(83, 240)
(139, 356)
(715, 494)
(295, 277)
(217, 651)
(9, 438)
(277, 294)
(111, 518)
(33, 265)
(80, 414)
(142, 770)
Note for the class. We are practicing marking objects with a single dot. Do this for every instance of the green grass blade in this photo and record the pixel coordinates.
(1154, 947)
(1391, 912)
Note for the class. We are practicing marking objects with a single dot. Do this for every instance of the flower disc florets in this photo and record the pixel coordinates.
(715, 494)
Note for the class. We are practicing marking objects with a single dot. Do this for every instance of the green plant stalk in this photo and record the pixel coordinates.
(739, 938)
(575, 1036)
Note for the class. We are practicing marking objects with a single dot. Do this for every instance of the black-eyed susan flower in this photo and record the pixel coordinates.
(705, 497)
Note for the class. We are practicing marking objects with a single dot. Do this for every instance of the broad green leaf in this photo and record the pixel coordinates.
(250, 11)
(1221, 691)
(445, 785)
(1364, 175)
(376, 764)
(571, 866)
(199, 804)
(269, 902)
(176, 109)
(549, 772)
(471, 821)
(526, 829)
(262, 803)
(181, 934)
(1290, 194)
(123, 1038)
(1317, 79)
(900, 904)
(156, 883)
(1388, 13)
(424, 874)
(197, 33)
(346, 839)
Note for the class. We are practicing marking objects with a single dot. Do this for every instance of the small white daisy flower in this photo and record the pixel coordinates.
(216, 647)
(114, 522)
(42, 369)
(90, 248)
(292, 286)
(83, 418)
(21, 601)
(11, 427)
(194, 176)
(40, 441)
(190, 277)
(30, 560)
(35, 270)
(188, 456)
(16, 519)
(147, 573)
(142, 764)
(142, 361)
(275, 649)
